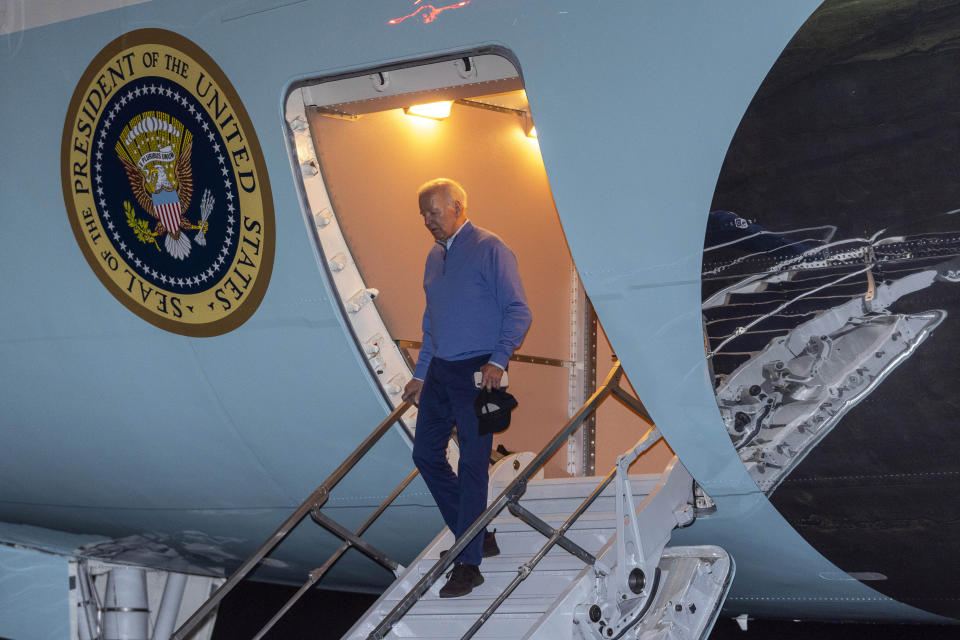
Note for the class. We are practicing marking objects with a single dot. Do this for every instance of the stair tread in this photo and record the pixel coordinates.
(470, 606)
(589, 520)
(541, 582)
(561, 561)
(502, 626)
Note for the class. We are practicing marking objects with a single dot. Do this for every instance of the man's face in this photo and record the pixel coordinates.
(441, 214)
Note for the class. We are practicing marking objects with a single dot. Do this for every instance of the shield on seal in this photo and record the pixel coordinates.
(167, 206)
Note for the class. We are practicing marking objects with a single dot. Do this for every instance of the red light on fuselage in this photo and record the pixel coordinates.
(428, 13)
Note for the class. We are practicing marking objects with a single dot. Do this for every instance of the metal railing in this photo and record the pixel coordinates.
(509, 498)
(516, 357)
(311, 506)
(557, 537)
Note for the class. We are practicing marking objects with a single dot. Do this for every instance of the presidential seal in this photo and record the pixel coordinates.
(165, 185)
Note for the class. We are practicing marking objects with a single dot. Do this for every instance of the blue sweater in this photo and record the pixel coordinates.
(475, 300)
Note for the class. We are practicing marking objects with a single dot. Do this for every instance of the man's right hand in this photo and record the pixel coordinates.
(412, 391)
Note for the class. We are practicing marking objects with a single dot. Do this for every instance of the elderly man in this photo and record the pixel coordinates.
(476, 316)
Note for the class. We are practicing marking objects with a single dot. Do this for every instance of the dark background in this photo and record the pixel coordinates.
(324, 615)
(856, 126)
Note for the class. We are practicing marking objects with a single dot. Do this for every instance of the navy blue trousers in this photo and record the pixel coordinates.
(446, 400)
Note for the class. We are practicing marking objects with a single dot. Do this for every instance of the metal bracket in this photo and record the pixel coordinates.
(353, 540)
(562, 541)
(622, 599)
(703, 503)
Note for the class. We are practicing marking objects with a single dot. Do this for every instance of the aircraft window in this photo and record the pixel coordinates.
(364, 144)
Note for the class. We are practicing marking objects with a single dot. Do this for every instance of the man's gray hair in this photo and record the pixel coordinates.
(445, 185)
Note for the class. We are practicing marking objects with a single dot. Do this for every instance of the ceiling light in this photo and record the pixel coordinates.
(528, 127)
(435, 110)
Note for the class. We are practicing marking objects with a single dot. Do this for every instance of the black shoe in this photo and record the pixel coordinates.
(461, 580)
(490, 547)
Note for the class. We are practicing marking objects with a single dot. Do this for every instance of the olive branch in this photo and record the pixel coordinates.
(140, 227)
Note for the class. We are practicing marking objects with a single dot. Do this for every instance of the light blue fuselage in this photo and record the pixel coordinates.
(114, 428)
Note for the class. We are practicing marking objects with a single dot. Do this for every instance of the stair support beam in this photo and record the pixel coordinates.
(632, 403)
(354, 540)
(556, 535)
(317, 574)
(316, 499)
(640, 540)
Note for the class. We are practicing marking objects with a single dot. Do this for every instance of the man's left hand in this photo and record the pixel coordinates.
(491, 376)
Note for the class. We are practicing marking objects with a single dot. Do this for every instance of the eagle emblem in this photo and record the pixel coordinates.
(155, 148)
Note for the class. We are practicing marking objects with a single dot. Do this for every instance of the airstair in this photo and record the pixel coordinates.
(580, 558)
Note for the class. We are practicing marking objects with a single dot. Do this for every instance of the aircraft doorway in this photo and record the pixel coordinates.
(363, 152)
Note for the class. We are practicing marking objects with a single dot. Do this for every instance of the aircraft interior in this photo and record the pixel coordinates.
(374, 151)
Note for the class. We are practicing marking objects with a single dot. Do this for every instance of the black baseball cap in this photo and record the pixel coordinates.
(493, 410)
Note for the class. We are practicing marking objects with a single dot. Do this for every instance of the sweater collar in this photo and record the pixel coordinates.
(449, 242)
